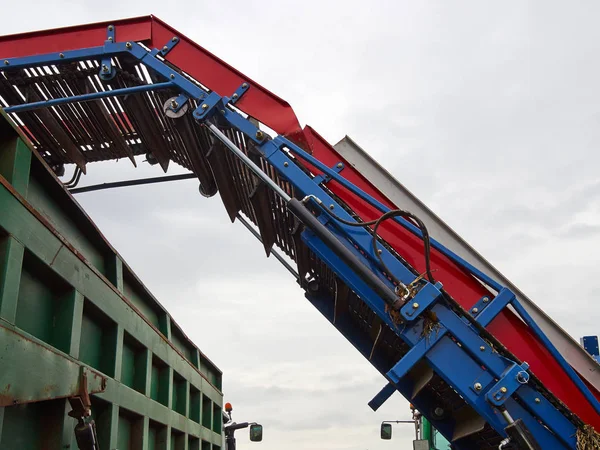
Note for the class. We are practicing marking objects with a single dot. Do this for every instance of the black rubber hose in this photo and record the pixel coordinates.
(309, 220)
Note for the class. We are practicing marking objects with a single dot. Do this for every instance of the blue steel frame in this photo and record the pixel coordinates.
(487, 381)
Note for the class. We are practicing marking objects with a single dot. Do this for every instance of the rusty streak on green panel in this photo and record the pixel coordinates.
(32, 371)
(55, 253)
(11, 262)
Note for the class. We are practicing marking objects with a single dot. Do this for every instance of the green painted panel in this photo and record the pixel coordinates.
(47, 248)
(137, 296)
(11, 262)
(206, 412)
(32, 371)
(178, 440)
(154, 383)
(180, 395)
(193, 443)
(205, 445)
(34, 426)
(59, 300)
(217, 419)
(35, 307)
(98, 340)
(124, 433)
(40, 197)
(152, 435)
(128, 366)
(15, 161)
(194, 413)
(179, 341)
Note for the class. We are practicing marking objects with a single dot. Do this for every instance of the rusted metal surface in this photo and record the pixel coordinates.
(91, 267)
(33, 371)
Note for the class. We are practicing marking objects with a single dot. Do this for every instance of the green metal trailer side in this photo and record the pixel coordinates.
(75, 319)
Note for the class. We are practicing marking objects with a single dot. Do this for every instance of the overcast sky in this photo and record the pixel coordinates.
(488, 113)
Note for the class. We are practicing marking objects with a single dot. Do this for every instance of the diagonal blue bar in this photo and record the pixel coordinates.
(382, 396)
(489, 312)
(414, 355)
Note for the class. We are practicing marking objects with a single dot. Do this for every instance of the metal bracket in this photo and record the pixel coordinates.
(169, 46)
(382, 396)
(107, 70)
(239, 92)
(81, 403)
(207, 106)
(176, 107)
(420, 302)
(487, 308)
(506, 386)
(326, 178)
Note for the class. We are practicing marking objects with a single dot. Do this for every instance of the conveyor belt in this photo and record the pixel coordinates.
(140, 123)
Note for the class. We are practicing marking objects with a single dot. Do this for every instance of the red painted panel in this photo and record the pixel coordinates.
(73, 38)
(506, 327)
(220, 77)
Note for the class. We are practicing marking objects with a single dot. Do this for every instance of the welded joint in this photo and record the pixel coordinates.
(324, 178)
(513, 379)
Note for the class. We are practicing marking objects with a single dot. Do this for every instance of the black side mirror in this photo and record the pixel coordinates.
(256, 432)
(386, 431)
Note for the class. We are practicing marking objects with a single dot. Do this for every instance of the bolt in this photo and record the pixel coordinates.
(204, 106)
(110, 28)
(503, 390)
(61, 55)
(485, 299)
(537, 400)
(6, 63)
(110, 38)
(477, 386)
(285, 164)
(379, 251)
(260, 135)
(165, 48)
(482, 348)
(104, 68)
(174, 39)
(172, 76)
(128, 45)
(174, 104)
(415, 305)
(235, 96)
(475, 310)
(331, 206)
(339, 165)
(245, 85)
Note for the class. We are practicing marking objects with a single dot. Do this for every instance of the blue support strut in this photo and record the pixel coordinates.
(89, 97)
